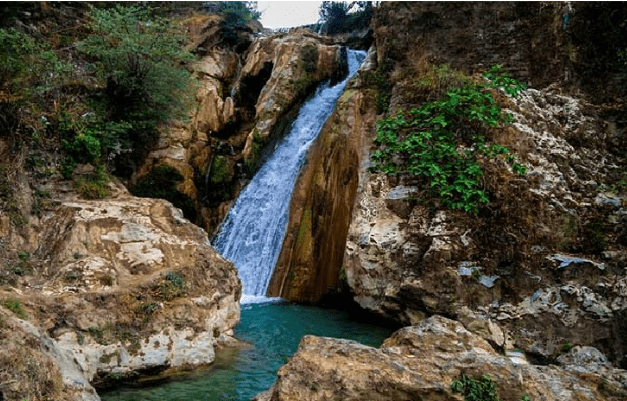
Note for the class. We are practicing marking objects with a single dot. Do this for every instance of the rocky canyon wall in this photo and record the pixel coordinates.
(546, 256)
(102, 290)
(249, 92)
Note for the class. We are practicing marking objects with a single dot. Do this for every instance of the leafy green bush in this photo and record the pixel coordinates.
(476, 389)
(245, 10)
(139, 62)
(173, 286)
(499, 78)
(26, 65)
(440, 143)
(235, 15)
(27, 69)
(335, 16)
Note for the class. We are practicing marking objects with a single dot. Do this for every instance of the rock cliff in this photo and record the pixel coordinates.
(311, 257)
(545, 258)
(247, 97)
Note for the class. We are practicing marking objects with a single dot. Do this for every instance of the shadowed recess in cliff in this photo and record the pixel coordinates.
(252, 233)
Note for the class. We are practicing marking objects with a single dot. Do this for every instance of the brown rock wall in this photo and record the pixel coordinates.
(311, 258)
(247, 97)
(541, 43)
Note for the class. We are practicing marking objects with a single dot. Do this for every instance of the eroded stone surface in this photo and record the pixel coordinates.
(421, 362)
(247, 96)
(126, 285)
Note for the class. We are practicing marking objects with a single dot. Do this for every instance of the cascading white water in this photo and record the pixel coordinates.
(252, 233)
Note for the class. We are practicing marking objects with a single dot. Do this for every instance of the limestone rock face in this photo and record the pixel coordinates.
(421, 362)
(546, 258)
(126, 285)
(298, 62)
(405, 261)
(34, 367)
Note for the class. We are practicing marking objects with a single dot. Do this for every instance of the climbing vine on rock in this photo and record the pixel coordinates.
(441, 142)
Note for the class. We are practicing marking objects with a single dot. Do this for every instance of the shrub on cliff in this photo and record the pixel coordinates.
(140, 64)
(441, 142)
(235, 15)
(27, 69)
(340, 17)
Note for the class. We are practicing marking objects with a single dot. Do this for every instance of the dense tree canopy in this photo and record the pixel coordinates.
(340, 17)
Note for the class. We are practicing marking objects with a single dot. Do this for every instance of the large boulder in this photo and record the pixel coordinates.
(421, 362)
(123, 286)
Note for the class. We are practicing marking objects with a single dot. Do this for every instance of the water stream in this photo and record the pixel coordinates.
(252, 233)
(251, 236)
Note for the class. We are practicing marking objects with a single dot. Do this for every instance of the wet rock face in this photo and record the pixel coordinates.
(421, 362)
(126, 285)
(310, 262)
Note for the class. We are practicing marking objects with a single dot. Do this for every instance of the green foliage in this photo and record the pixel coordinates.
(147, 309)
(500, 78)
(566, 348)
(173, 286)
(175, 279)
(341, 17)
(219, 170)
(476, 389)
(139, 61)
(379, 79)
(441, 143)
(442, 77)
(334, 15)
(14, 306)
(26, 65)
(235, 16)
(244, 10)
(28, 68)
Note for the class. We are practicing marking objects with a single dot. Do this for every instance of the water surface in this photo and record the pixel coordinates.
(273, 331)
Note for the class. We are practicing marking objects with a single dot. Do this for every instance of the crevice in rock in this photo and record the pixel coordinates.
(250, 87)
(104, 381)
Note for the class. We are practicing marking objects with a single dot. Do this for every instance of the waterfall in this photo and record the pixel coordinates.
(252, 233)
